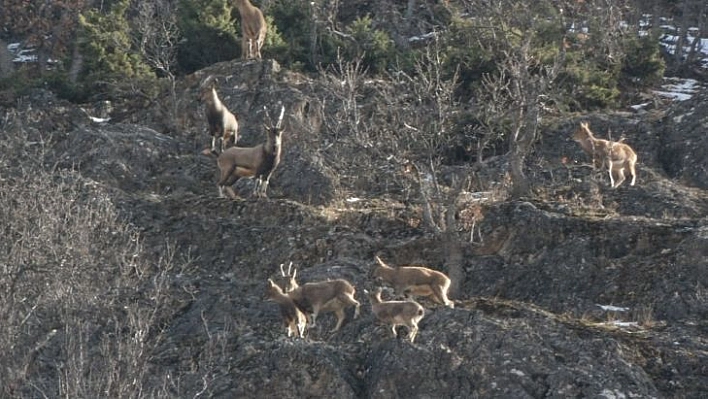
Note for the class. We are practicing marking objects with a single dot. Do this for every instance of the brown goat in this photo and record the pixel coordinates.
(259, 161)
(615, 155)
(397, 313)
(293, 318)
(323, 296)
(416, 281)
(286, 280)
(253, 29)
(222, 123)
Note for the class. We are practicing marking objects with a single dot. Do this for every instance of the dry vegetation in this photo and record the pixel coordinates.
(125, 275)
(81, 304)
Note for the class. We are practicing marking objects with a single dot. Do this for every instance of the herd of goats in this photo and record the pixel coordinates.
(300, 305)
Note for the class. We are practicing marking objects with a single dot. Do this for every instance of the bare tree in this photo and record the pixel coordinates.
(156, 34)
(693, 25)
(511, 99)
(426, 133)
(429, 127)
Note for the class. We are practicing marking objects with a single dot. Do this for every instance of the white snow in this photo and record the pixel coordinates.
(99, 120)
(424, 37)
(678, 89)
(611, 308)
(25, 56)
(517, 372)
(640, 106)
(625, 324)
(612, 394)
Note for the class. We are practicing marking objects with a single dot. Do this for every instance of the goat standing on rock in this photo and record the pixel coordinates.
(259, 161)
(222, 123)
(397, 313)
(253, 29)
(416, 281)
(615, 155)
(293, 318)
(321, 296)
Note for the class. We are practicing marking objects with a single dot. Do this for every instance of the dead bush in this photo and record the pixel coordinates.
(83, 308)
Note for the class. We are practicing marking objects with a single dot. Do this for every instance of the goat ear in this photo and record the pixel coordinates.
(271, 282)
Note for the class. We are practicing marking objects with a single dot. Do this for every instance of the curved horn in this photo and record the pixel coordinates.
(290, 266)
(280, 118)
(209, 79)
(282, 272)
(269, 121)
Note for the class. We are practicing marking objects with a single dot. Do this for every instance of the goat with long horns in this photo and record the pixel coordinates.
(259, 161)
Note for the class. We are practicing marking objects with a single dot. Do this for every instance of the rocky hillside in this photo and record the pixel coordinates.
(578, 291)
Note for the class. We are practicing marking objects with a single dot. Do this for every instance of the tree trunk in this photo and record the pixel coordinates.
(520, 186)
(454, 259)
(521, 144)
(314, 59)
(6, 65)
(77, 63)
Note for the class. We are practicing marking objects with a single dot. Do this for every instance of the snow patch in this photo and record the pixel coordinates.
(678, 89)
(99, 120)
(611, 308)
(517, 372)
(640, 106)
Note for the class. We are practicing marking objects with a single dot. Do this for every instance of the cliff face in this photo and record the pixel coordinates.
(580, 291)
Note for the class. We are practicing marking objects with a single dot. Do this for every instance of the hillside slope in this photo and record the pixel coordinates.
(580, 291)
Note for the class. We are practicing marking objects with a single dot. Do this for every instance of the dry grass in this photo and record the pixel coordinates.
(83, 306)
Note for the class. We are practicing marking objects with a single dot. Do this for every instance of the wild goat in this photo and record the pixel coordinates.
(615, 155)
(416, 281)
(259, 161)
(397, 313)
(222, 123)
(293, 318)
(322, 296)
(253, 29)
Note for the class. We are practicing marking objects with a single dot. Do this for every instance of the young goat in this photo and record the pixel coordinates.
(615, 155)
(397, 313)
(222, 123)
(416, 281)
(259, 161)
(253, 29)
(322, 296)
(293, 318)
